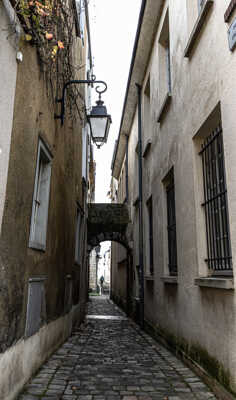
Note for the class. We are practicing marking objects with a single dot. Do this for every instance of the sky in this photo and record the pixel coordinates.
(113, 26)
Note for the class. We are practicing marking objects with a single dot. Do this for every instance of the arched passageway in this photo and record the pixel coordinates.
(109, 222)
(120, 283)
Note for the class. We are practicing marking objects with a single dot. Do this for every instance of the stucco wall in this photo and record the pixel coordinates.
(17, 364)
(33, 119)
(200, 320)
(8, 71)
(93, 271)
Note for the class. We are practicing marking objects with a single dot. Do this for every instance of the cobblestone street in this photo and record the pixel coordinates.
(110, 358)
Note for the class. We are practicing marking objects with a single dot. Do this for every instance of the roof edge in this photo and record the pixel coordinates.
(136, 41)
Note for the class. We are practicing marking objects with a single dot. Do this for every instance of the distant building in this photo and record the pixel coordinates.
(93, 269)
(174, 164)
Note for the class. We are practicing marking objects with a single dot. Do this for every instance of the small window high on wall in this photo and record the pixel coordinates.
(150, 233)
(78, 235)
(171, 222)
(39, 217)
(164, 58)
(80, 18)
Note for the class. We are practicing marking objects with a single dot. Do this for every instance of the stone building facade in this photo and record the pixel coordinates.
(93, 269)
(174, 163)
(44, 180)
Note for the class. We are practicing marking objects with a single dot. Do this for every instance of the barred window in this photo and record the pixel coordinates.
(171, 224)
(219, 257)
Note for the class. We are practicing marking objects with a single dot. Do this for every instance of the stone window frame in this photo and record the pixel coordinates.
(85, 143)
(79, 234)
(80, 19)
(41, 198)
(36, 305)
(205, 279)
(166, 181)
(203, 12)
(164, 67)
(150, 235)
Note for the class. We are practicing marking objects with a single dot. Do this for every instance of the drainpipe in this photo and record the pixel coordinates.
(127, 170)
(140, 174)
(128, 266)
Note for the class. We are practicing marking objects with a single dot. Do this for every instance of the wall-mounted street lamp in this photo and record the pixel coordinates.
(99, 121)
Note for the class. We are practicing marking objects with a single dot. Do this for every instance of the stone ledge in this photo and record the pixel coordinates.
(37, 246)
(149, 278)
(217, 283)
(173, 280)
(197, 27)
(164, 106)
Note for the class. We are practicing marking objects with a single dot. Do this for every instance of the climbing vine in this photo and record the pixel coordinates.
(49, 25)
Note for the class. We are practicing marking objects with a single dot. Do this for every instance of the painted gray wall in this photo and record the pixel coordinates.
(8, 72)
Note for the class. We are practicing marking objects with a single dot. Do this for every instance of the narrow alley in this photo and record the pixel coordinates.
(110, 358)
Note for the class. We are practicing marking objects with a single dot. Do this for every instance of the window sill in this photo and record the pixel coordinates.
(172, 280)
(197, 27)
(37, 246)
(149, 278)
(147, 148)
(164, 106)
(217, 283)
(38, 278)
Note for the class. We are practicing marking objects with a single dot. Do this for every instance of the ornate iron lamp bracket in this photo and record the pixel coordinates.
(78, 82)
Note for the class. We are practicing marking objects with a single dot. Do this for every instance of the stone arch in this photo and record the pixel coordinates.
(111, 222)
(118, 237)
(108, 222)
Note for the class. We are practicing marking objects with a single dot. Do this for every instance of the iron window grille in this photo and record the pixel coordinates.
(171, 224)
(150, 226)
(215, 204)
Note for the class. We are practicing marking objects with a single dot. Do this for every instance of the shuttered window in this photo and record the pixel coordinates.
(39, 217)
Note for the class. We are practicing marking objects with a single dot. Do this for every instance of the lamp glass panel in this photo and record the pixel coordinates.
(98, 126)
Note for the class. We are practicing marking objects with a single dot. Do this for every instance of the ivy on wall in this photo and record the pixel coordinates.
(49, 25)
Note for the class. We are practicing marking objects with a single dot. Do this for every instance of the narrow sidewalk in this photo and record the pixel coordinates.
(110, 358)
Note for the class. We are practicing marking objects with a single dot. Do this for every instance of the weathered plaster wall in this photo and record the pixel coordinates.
(119, 273)
(8, 71)
(34, 118)
(93, 271)
(17, 364)
(196, 318)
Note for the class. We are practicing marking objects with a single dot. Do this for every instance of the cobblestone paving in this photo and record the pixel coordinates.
(112, 359)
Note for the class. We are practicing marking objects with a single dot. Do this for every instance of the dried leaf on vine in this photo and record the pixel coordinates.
(60, 44)
(28, 37)
(48, 36)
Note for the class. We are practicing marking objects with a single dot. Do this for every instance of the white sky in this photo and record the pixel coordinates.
(113, 28)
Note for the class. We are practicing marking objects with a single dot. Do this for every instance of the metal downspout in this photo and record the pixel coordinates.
(127, 170)
(140, 174)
